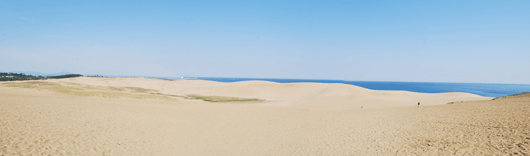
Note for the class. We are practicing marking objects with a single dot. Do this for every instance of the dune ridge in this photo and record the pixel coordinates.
(335, 96)
(42, 122)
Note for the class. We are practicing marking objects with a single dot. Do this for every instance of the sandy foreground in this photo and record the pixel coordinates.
(138, 116)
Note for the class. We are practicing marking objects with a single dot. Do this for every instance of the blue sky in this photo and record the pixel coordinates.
(428, 41)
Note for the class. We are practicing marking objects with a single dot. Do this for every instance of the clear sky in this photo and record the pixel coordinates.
(429, 41)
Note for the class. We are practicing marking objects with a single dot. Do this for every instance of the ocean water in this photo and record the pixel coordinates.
(483, 89)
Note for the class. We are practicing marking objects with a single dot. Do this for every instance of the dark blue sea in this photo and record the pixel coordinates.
(483, 89)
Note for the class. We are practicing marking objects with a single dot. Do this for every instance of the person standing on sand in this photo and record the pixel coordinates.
(418, 104)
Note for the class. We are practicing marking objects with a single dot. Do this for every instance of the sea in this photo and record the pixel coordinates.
(482, 89)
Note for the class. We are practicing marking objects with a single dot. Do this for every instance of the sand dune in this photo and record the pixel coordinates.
(305, 95)
(296, 119)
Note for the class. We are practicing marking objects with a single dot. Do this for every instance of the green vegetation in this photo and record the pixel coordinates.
(455, 102)
(169, 95)
(64, 76)
(87, 91)
(220, 98)
(21, 76)
(211, 98)
(112, 92)
(513, 95)
(96, 76)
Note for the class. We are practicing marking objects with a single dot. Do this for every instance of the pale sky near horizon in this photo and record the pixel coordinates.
(426, 41)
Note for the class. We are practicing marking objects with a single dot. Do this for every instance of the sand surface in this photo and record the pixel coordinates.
(101, 116)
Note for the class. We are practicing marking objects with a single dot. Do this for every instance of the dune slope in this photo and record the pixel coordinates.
(302, 95)
(41, 122)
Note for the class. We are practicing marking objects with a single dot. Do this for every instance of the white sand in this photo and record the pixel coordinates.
(303, 95)
(296, 119)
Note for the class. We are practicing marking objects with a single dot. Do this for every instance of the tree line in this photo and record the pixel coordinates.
(22, 76)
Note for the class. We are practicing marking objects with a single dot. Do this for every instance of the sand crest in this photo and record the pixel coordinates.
(295, 119)
(303, 95)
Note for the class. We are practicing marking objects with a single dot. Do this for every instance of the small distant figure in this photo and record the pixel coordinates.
(361, 107)
(418, 104)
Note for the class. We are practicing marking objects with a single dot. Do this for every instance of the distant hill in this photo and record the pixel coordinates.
(40, 74)
(21, 76)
